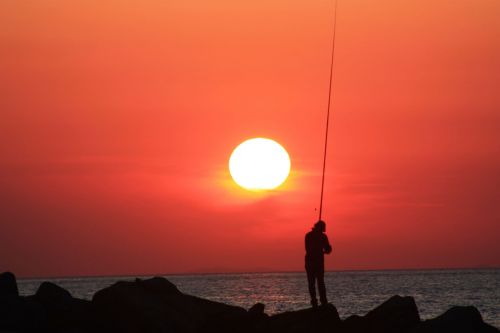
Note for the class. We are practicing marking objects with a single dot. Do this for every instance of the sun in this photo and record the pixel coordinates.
(259, 164)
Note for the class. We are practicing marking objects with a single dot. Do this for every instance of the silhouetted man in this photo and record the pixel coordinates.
(316, 245)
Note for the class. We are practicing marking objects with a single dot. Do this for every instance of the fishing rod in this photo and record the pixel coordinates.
(330, 99)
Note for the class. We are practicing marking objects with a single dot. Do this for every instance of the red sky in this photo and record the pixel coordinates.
(118, 119)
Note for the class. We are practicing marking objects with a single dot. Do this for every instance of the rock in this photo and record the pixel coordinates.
(397, 314)
(8, 285)
(353, 322)
(458, 319)
(159, 285)
(51, 294)
(156, 305)
(18, 313)
(318, 320)
(257, 309)
(63, 311)
(252, 322)
(22, 314)
(129, 307)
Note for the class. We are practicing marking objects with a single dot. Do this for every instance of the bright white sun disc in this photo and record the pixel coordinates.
(259, 164)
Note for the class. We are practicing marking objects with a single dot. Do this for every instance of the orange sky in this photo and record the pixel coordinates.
(118, 119)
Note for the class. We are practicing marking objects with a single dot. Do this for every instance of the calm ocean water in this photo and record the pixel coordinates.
(352, 292)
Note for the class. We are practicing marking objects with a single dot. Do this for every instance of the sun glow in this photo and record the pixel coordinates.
(259, 164)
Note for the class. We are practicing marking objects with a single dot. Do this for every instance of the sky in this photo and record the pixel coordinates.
(117, 120)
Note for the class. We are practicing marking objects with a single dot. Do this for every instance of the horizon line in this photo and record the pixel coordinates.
(142, 275)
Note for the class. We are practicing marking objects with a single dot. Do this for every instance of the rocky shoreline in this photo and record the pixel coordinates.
(156, 305)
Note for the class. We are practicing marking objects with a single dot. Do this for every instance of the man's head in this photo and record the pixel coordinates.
(320, 226)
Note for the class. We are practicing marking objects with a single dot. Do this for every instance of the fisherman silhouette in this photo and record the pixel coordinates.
(316, 246)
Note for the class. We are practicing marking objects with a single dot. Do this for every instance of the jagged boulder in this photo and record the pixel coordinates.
(51, 309)
(257, 311)
(354, 324)
(318, 320)
(397, 314)
(21, 314)
(458, 319)
(53, 295)
(18, 313)
(156, 305)
(8, 285)
(63, 311)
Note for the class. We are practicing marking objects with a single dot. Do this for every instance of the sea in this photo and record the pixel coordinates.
(352, 292)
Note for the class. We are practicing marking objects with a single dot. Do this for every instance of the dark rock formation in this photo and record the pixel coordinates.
(19, 314)
(8, 285)
(397, 314)
(256, 312)
(51, 309)
(50, 293)
(61, 309)
(458, 319)
(156, 306)
(317, 320)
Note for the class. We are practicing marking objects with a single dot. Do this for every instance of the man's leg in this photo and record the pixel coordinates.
(322, 288)
(312, 288)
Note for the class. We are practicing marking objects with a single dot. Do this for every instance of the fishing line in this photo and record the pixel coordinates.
(330, 99)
